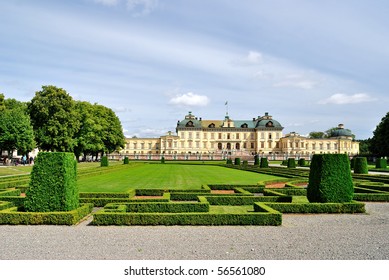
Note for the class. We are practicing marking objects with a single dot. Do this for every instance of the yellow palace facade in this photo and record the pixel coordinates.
(196, 138)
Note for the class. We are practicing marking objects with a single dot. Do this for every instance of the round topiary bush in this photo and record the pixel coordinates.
(53, 184)
(360, 165)
(104, 161)
(264, 163)
(330, 179)
(291, 163)
(126, 160)
(237, 161)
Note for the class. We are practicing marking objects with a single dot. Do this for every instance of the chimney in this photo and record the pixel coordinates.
(340, 126)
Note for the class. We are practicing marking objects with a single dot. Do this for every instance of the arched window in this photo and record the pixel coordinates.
(237, 146)
(212, 125)
(269, 124)
(228, 146)
(244, 125)
(219, 146)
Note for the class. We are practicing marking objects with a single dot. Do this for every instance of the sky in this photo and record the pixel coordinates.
(310, 64)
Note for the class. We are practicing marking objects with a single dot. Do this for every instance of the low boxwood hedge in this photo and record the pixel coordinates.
(349, 207)
(128, 194)
(244, 200)
(164, 207)
(271, 218)
(13, 216)
(10, 192)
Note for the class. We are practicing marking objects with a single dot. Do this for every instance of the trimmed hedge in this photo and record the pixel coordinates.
(244, 200)
(126, 160)
(302, 162)
(351, 207)
(360, 165)
(381, 163)
(5, 205)
(330, 179)
(270, 218)
(129, 194)
(53, 185)
(256, 160)
(104, 161)
(264, 163)
(12, 216)
(237, 161)
(164, 207)
(10, 193)
(291, 163)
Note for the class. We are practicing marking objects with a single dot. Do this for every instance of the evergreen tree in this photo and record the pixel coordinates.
(379, 144)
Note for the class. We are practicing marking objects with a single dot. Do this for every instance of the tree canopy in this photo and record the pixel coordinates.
(54, 118)
(379, 144)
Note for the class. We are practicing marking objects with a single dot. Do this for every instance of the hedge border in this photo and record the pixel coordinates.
(12, 216)
(348, 207)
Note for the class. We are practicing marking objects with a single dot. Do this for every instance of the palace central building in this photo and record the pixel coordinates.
(196, 138)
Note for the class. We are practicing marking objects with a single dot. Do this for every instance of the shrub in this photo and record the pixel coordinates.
(162, 159)
(302, 162)
(330, 179)
(104, 161)
(237, 161)
(256, 160)
(352, 163)
(381, 163)
(360, 166)
(245, 163)
(229, 161)
(126, 160)
(53, 185)
(264, 163)
(291, 163)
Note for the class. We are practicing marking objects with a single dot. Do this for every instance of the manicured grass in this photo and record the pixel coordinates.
(166, 176)
(15, 170)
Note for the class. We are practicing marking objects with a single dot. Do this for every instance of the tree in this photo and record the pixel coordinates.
(316, 135)
(379, 144)
(16, 132)
(54, 119)
(2, 106)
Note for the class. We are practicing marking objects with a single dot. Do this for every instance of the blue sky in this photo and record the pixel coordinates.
(310, 64)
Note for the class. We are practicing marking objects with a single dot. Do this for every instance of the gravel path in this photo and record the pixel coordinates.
(301, 237)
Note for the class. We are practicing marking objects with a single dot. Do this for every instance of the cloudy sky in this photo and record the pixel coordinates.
(310, 64)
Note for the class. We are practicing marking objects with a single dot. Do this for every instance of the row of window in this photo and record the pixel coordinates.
(220, 135)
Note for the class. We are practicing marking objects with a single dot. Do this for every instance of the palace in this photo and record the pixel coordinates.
(196, 138)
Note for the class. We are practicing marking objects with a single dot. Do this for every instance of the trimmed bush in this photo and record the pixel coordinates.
(353, 207)
(256, 160)
(237, 161)
(302, 162)
(229, 161)
(162, 159)
(53, 185)
(291, 163)
(360, 166)
(264, 163)
(245, 163)
(330, 179)
(126, 160)
(104, 161)
(381, 163)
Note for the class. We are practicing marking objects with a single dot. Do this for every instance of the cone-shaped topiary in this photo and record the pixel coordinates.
(104, 161)
(360, 166)
(264, 163)
(53, 185)
(330, 179)
(163, 159)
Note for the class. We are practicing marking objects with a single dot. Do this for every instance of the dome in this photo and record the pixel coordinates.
(340, 131)
(267, 122)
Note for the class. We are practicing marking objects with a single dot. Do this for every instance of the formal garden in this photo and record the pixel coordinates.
(59, 191)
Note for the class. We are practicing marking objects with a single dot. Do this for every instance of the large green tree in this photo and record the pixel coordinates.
(379, 144)
(16, 132)
(54, 118)
(100, 130)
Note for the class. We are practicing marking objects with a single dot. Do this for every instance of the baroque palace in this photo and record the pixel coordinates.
(200, 139)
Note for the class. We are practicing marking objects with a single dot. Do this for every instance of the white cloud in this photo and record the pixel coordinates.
(341, 98)
(190, 99)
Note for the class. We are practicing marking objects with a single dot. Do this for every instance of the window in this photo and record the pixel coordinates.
(189, 135)
(244, 125)
(328, 146)
(219, 146)
(197, 135)
(220, 136)
(269, 135)
(182, 135)
(237, 146)
(212, 135)
(262, 145)
(237, 136)
(228, 136)
(228, 146)
(252, 145)
(189, 124)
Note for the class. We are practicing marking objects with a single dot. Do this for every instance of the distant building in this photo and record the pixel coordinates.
(196, 138)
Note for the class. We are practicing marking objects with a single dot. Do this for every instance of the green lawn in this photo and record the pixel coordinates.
(167, 176)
